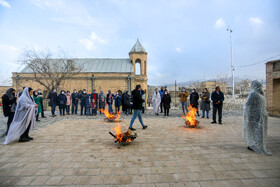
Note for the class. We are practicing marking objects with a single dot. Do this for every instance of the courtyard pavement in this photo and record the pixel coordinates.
(77, 150)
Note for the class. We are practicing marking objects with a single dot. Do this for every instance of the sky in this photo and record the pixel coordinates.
(185, 39)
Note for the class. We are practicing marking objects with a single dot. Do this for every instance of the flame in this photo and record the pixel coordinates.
(109, 115)
(190, 117)
(119, 134)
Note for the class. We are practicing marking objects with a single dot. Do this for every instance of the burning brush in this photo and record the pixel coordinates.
(111, 117)
(121, 137)
(190, 118)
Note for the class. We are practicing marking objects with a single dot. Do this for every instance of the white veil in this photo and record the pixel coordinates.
(24, 115)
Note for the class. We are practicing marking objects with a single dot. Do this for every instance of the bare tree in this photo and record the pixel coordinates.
(244, 85)
(195, 84)
(222, 78)
(47, 70)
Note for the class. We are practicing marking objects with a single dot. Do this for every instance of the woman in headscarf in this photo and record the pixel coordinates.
(255, 120)
(166, 100)
(9, 106)
(36, 99)
(156, 100)
(24, 119)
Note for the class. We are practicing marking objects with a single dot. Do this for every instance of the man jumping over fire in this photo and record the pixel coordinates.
(137, 107)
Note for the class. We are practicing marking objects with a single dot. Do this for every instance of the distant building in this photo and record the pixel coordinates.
(99, 73)
(273, 87)
(211, 86)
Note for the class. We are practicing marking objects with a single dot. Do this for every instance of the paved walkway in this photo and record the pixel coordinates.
(79, 151)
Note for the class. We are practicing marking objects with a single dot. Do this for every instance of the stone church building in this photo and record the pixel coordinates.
(98, 73)
(273, 87)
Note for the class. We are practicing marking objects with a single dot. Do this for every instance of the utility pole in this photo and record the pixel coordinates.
(175, 92)
(232, 66)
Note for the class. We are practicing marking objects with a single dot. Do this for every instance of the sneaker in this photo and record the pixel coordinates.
(145, 126)
(132, 129)
(202, 117)
(220, 123)
(213, 122)
(23, 140)
(44, 117)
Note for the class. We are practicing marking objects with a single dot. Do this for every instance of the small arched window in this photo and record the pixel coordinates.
(138, 67)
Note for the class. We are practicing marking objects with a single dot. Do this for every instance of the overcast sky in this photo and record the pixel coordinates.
(185, 39)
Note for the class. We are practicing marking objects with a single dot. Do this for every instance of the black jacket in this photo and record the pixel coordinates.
(194, 99)
(53, 98)
(166, 100)
(109, 100)
(62, 99)
(137, 100)
(7, 104)
(215, 97)
(75, 98)
(83, 97)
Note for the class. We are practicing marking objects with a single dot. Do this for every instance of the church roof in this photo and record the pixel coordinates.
(138, 48)
(100, 65)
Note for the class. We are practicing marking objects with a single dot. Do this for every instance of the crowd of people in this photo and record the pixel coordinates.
(90, 103)
(161, 101)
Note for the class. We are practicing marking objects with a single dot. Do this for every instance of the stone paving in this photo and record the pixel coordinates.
(77, 150)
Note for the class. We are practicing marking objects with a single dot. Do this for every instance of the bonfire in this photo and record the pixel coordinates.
(111, 117)
(121, 137)
(190, 119)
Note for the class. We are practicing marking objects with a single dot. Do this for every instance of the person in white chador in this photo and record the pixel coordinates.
(156, 101)
(255, 120)
(24, 119)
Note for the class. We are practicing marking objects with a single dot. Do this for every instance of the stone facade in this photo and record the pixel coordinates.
(273, 87)
(211, 86)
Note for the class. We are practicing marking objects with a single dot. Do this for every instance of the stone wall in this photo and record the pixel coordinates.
(272, 88)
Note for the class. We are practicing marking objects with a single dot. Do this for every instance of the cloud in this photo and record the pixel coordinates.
(90, 43)
(220, 23)
(256, 20)
(178, 49)
(5, 4)
(8, 47)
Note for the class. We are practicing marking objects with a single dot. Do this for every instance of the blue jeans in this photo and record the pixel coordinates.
(184, 107)
(83, 106)
(74, 108)
(110, 108)
(53, 108)
(207, 113)
(136, 113)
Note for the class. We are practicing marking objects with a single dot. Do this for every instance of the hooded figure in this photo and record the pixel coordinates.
(24, 119)
(156, 100)
(255, 120)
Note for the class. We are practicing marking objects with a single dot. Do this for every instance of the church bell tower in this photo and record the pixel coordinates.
(139, 55)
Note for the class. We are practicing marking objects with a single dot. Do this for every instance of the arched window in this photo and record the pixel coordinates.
(138, 67)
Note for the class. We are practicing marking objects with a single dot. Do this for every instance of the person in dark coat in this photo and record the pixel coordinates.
(194, 100)
(53, 101)
(109, 101)
(217, 98)
(41, 99)
(166, 100)
(118, 102)
(75, 101)
(137, 107)
(126, 102)
(62, 102)
(205, 103)
(9, 106)
(84, 98)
